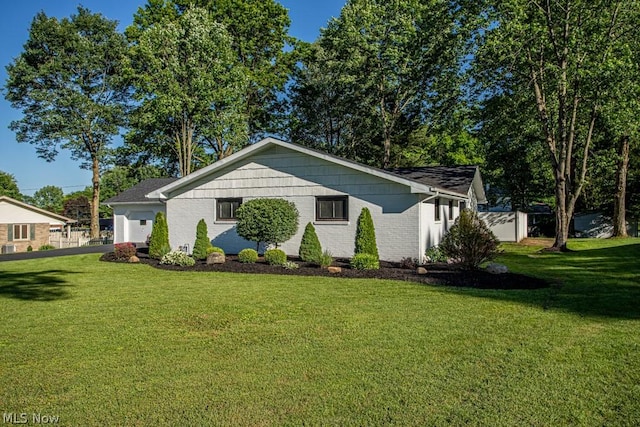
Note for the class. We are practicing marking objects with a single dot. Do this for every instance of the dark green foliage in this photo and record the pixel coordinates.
(9, 186)
(366, 235)
(46, 247)
(202, 241)
(159, 240)
(248, 256)
(363, 261)
(310, 248)
(124, 251)
(29, 248)
(469, 242)
(267, 221)
(275, 257)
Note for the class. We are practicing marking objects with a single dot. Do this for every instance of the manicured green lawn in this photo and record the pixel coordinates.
(111, 344)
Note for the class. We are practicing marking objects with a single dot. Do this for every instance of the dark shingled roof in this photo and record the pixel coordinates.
(137, 192)
(452, 178)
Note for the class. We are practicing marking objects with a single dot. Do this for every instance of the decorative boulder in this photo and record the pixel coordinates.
(421, 271)
(334, 270)
(134, 259)
(215, 258)
(495, 268)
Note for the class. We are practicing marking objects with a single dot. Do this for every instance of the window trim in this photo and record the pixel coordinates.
(233, 218)
(437, 215)
(20, 227)
(343, 219)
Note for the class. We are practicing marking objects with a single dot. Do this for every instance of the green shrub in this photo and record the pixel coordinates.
(469, 242)
(275, 257)
(326, 259)
(364, 261)
(435, 254)
(159, 239)
(267, 221)
(202, 241)
(248, 256)
(124, 251)
(29, 248)
(310, 248)
(46, 247)
(177, 258)
(212, 249)
(366, 235)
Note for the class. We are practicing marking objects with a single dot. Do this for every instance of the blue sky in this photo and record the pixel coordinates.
(20, 159)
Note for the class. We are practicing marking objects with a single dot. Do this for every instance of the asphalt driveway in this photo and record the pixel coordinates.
(99, 249)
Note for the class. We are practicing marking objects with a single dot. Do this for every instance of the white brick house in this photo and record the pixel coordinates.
(411, 208)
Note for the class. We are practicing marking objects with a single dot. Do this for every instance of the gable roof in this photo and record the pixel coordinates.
(430, 187)
(32, 208)
(137, 193)
(454, 178)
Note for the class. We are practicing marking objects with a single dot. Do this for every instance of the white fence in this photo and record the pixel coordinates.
(507, 226)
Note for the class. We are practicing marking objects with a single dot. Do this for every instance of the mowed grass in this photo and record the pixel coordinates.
(111, 344)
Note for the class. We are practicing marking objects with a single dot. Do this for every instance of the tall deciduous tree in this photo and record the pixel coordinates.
(190, 89)
(565, 53)
(260, 41)
(9, 186)
(50, 198)
(389, 63)
(68, 83)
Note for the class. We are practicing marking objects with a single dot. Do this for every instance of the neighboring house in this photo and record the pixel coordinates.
(411, 208)
(598, 224)
(23, 225)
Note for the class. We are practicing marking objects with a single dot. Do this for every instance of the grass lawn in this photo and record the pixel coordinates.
(97, 343)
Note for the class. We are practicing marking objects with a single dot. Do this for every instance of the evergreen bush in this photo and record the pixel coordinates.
(366, 235)
(310, 248)
(469, 242)
(159, 239)
(363, 261)
(177, 258)
(267, 221)
(202, 241)
(275, 257)
(248, 256)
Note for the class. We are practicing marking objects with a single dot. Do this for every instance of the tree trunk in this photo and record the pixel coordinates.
(562, 217)
(619, 205)
(95, 198)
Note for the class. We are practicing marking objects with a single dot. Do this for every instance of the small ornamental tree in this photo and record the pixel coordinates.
(267, 221)
(159, 239)
(202, 243)
(366, 235)
(310, 248)
(469, 242)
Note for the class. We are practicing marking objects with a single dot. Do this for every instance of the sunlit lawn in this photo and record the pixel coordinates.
(112, 344)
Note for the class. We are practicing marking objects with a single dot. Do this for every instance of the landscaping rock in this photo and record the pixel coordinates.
(495, 268)
(334, 270)
(134, 259)
(216, 258)
(421, 271)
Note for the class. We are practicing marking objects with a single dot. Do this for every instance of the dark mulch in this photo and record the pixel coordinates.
(437, 274)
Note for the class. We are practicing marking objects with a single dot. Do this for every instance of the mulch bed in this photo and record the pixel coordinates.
(437, 274)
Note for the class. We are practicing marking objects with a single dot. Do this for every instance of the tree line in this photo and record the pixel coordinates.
(542, 94)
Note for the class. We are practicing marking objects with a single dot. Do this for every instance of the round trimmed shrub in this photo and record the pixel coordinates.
(469, 242)
(212, 249)
(159, 239)
(366, 235)
(310, 248)
(202, 241)
(364, 261)
(248, 256)
(275, 257)
(267, 221)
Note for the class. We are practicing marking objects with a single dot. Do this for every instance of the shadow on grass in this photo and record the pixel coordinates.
(592, 282)
(36, 286)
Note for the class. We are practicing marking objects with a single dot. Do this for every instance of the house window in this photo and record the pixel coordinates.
(451, 209)
(463, 206)
(226, 209)
(143, 222)
(332, 208)
(436, 205)
(21, 232)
